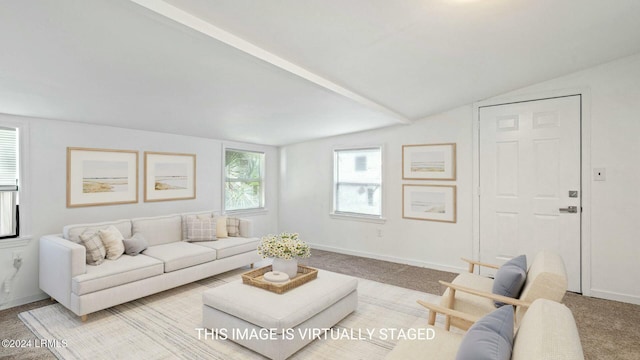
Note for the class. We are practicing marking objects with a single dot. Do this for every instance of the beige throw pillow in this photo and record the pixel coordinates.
(112, 240)
(221, 227)
(233, 226)
(95, 248)
(199, 229)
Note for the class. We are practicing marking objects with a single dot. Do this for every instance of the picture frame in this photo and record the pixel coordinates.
(101, 177)
(429, 162)
(169, 176)
(429, 202)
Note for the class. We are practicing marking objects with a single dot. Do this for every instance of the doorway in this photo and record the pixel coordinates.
(529, 175)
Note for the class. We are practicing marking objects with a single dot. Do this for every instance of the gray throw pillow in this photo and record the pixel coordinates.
(490, 338)
(135, 245)
(510, 278)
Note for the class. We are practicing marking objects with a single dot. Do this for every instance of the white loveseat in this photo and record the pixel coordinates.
(168, 262)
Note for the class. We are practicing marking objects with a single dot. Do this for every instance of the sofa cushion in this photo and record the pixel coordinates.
(180, 255)
(112, 273)
(135, 245)
(96, 251)
(510, 278)
(72, 232)
(112, 240)
(490, 338)
(159, 230)
(201, 229)
(231, 246)
(199, 214)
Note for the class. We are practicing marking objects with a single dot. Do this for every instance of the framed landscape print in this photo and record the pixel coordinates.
(169, 176)
(429, 202)
(429, 162)
(101, 177)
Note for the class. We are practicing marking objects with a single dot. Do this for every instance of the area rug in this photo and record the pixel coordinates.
(165, 326)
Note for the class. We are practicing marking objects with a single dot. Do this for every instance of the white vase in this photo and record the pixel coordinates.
(289, 267)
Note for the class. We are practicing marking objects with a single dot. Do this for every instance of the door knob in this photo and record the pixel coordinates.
(569, 209)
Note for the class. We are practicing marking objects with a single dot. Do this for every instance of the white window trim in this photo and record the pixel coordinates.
(249, 148)
(24, 180)
(339, 215)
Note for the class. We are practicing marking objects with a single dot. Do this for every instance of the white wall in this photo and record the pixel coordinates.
(46, 187)
(614, 238)
(306, 196)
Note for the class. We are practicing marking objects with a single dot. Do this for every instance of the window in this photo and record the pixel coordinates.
(244, 180)
(9, 215)
(357, 184)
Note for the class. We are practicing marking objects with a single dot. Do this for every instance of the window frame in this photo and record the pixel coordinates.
(263, 198)
(24, 215)
(344, 215)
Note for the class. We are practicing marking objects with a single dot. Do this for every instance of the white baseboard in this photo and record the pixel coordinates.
(24, 300)
(393, 259)
(610, 295)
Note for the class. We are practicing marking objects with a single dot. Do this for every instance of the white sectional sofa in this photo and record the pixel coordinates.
(168, 262)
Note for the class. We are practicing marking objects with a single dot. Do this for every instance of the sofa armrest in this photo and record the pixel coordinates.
(60, 260)
(246, 228)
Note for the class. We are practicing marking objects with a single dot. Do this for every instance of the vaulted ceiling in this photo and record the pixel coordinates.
(284, 71)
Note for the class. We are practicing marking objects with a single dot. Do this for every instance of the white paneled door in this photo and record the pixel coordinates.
(530, 181)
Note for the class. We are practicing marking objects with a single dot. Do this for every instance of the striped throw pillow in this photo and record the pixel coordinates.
(233, 226)
(199, 229)
(96, 251)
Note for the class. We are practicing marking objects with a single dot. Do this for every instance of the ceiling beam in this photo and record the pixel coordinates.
(204, 27)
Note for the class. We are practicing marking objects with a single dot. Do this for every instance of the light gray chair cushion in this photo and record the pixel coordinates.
(490, 338)
(510, 278)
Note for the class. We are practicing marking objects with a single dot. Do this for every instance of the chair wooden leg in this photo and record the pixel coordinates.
(451, 300)
(432, 317)
(83, 318)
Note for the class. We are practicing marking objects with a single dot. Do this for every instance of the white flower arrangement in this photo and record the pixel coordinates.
(285, 246)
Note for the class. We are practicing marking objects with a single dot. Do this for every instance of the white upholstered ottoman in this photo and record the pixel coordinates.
(278, 325)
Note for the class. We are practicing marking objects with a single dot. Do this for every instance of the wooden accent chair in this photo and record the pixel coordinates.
(471, 294)
(547, 331)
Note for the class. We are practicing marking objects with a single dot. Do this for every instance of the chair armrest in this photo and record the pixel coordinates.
(504, 299)
(449, 312)
(472, 264)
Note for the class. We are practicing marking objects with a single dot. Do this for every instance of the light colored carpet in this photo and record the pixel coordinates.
(163, 326)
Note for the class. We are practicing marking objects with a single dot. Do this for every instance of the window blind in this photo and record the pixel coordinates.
(9, 223)
(8, 159)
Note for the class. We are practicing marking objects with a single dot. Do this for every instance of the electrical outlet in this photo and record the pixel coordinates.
(379, 232)
(17, 255)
